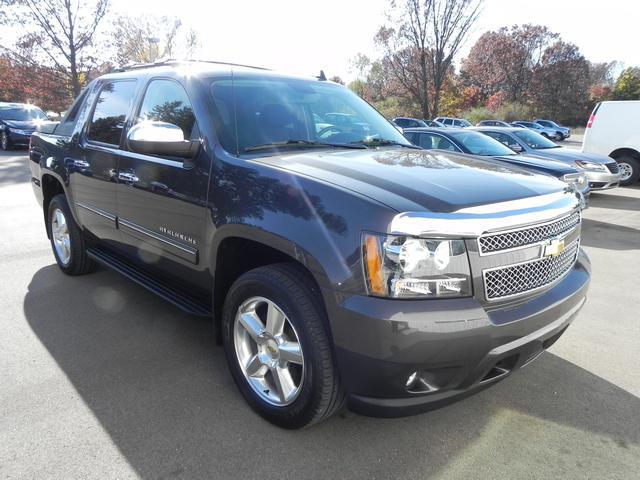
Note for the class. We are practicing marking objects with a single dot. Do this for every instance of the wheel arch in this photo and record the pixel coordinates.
(51, 186)
(621, 152)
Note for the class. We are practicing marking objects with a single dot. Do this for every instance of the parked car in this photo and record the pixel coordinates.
(406, 122)
(550, 133)
(336, 266)
(613, 131)
(566, 132)
(17, 122)
(454, 122)
(475, 143)
(492, 123)
(602, 172)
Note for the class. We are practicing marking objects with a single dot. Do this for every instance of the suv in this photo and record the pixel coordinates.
(340, 264)
(454, 122)
(17, 122)
(566, 132)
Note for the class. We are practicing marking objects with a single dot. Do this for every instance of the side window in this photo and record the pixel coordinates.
(501, 137)
(110, 113)
(458, 123)
(412, 137)
(68, 123)
(425, 141)
(448, 121)
(444, 144)
(167, 101)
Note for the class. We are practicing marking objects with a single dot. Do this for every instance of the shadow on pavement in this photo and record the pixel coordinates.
(13, 167)
(609, 235)
(159, 386)
(618, 202)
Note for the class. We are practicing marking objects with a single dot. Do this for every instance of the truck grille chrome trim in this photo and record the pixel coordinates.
(526, 277)
(525, 237)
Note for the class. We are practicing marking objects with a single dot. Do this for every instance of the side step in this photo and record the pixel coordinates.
(184, 302)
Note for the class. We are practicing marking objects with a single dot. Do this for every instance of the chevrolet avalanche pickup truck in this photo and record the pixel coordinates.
(338, 264)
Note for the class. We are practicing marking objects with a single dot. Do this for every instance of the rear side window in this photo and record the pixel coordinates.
(447, 121)
(167, 101)
(68, 123)
(110, 112)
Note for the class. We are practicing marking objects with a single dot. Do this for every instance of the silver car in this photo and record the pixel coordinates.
(601, 171)
(551, 133)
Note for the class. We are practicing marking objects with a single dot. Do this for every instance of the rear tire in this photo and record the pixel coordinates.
(630, 168)
(315, 392)
(68, 244)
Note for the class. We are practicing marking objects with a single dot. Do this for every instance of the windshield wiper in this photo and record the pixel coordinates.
(299, 144)
(381, 142)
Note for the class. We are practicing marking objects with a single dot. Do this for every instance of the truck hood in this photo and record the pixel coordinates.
(415, 180)
(568, 155)
(547, 165)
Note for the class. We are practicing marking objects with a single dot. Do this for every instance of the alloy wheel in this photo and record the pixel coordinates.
(626, 170)
(61, 237)
(268, 351)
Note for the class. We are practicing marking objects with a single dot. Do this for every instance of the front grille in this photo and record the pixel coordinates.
(527, 236)
(613, 167)
(524, 277)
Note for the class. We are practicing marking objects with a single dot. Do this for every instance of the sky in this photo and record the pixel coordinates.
(303, 37)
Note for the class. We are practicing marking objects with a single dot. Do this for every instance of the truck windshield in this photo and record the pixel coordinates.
(267, 114)
(22, 114)
(480, 144)
(534, 140)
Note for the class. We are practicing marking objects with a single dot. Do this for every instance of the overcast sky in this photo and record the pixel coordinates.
(300, 36)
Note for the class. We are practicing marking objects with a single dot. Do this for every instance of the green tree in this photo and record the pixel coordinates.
(627, 86)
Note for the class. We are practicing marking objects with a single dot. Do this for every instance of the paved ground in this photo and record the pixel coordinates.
(100, 379)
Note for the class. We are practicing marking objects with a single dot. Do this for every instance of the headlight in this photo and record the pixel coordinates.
(19, 132)
(591, 166)
(575, 179)
(409, 267)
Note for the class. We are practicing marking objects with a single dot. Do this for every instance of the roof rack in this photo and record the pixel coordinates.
(175, 61)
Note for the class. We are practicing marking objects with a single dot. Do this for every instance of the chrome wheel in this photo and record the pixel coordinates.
(626, 170)
(268, 351)
(60, 234)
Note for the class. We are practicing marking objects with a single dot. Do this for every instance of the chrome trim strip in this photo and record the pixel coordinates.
(161, 238)
(533, 290)
(474, 221)
(529, 245)
(97, 211)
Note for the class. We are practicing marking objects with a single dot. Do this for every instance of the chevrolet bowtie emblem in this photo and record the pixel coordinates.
(554, 248)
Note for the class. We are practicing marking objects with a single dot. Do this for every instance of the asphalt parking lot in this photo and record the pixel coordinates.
(101, 379)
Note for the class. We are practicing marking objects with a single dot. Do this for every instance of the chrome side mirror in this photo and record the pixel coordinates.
(161, 138)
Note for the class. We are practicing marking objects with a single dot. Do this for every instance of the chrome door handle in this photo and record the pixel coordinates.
(128, 177)
(81, 164)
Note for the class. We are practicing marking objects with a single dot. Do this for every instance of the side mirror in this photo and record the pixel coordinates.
(516, 148)
(161, 138)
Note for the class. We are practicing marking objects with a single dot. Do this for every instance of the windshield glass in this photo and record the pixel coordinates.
(534, 140)
(22, 114)
(262, 113)
(481, 144)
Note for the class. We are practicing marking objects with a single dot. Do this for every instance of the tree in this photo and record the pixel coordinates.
(560, 84)
(147, 40)
(627, 85)
(58, 32)
(420, 49)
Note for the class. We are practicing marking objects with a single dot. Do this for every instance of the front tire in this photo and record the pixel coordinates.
(630, 168)
(67, 242)
(278, 348)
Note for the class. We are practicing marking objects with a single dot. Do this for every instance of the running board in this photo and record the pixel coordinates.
(179, 299)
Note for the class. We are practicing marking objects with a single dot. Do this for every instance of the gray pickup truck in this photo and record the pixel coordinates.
(337, 262)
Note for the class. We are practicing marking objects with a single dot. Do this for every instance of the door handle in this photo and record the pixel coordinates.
(81, 164)
(128, 177)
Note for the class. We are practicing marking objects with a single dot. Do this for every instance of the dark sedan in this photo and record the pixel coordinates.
(17, 122)
(601, 171)
(475, 143)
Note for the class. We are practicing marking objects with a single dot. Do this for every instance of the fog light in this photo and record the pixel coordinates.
(411, 379)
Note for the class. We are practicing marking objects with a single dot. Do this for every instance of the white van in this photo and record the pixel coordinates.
(614, 130)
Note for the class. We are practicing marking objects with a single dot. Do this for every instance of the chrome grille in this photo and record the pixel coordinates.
(524, 277)
(613, 167)
(527, 236)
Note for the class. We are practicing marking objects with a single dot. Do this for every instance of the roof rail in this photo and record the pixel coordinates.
(175, 61)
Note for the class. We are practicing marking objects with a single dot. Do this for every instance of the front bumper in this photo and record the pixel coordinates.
(18, 138)
(602, 180)
(458, 345)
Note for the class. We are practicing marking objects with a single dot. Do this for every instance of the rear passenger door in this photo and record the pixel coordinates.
(161, 199)
(93, 163)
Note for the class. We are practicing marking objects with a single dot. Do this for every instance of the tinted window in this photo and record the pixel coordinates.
(68, 123)
(112, 106)
(447, 121)
(502, 138)
(402, 122)
(430, 141)
(166, 101)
